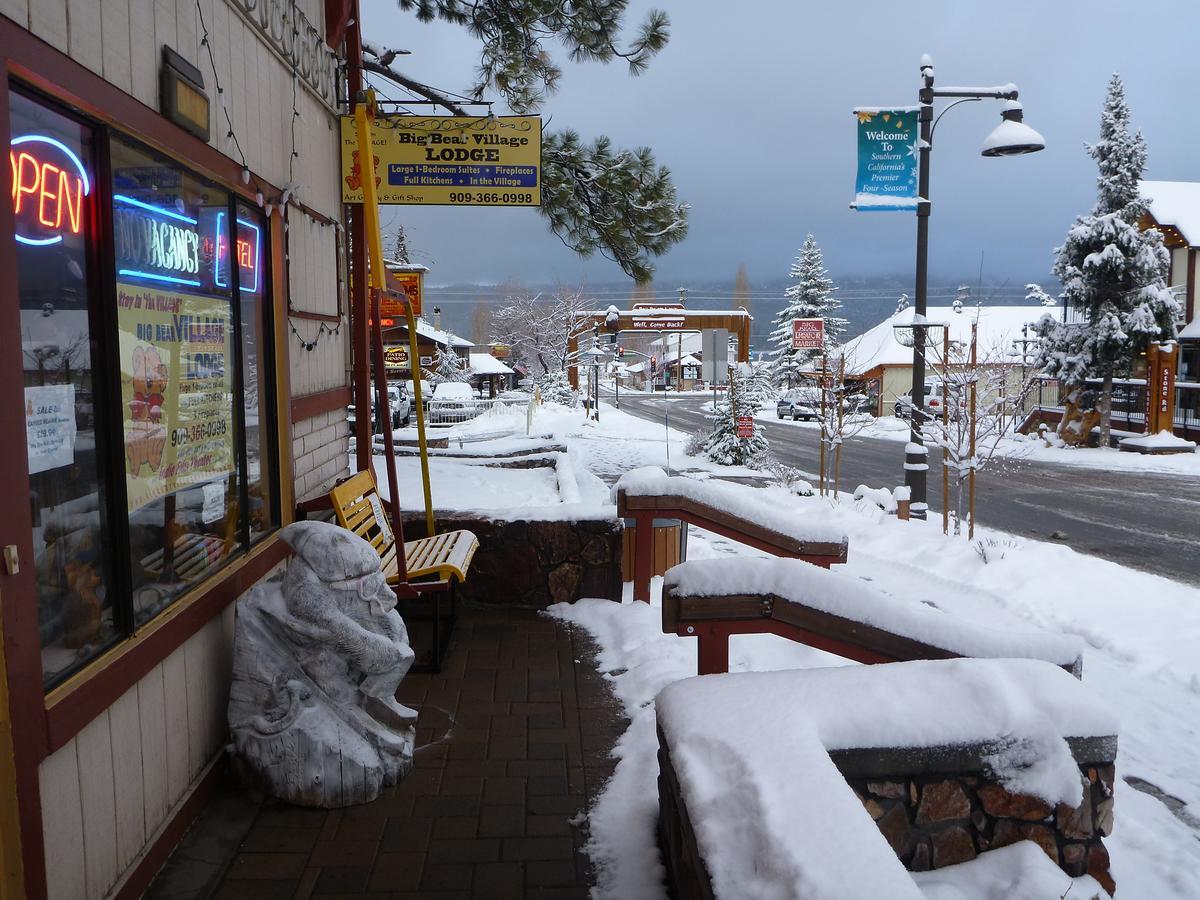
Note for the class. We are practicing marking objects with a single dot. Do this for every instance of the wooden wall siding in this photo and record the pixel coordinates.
(321, 450)
(110, 789)
(313, 286)
(121, 40)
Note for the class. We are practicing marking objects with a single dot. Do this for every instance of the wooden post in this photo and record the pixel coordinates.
(643, 555)
(679, 364)
(572, 361)
(712, 650)
(971, 476)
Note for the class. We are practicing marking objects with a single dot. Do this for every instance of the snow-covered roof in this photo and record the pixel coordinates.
(393, 266)
(486, 364)
(999, 326)
(445, 338)
(1176, 203)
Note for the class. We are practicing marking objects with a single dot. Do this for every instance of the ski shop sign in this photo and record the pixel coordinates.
(448, 160)
(808, 334)
(888, 149)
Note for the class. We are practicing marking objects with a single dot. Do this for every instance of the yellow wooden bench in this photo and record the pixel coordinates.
(433, 565)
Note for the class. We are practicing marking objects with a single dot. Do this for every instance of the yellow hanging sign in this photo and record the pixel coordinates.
(448, 160)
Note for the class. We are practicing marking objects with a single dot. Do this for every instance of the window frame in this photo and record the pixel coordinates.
(104, 346)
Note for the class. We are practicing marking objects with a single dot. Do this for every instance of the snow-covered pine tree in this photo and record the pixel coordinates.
(810, 297)
(449, 366)
(1113, 274)
(400, 251)
(1036, 296)
(723, 446)
(901, 304)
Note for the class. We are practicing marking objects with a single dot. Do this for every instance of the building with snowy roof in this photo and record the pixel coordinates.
(1175, 211)
(883, 365)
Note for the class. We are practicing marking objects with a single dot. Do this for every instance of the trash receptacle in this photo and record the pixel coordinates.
(670, 546)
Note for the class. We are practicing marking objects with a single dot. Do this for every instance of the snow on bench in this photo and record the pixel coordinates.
(729, 510)
(711, 599)
(748, 782)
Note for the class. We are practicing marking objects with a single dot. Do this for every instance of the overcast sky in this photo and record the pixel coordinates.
(749, 106)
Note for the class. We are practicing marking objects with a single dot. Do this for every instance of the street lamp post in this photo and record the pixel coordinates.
(1010, 138)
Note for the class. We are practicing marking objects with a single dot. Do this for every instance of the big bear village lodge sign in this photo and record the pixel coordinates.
(888, 151)
(448, 160)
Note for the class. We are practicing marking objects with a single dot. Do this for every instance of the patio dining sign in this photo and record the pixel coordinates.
(888, 151)
(448, 160)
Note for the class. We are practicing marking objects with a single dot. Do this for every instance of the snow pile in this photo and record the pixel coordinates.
(752, 807)
(1164, 440)
(881, 497)
(1019, 870)
(841, 595)
(745, 503)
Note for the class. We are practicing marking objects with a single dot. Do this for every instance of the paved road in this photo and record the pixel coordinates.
(1146, 521)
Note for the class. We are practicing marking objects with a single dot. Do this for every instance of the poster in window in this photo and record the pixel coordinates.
(50, 426)
(176, 390)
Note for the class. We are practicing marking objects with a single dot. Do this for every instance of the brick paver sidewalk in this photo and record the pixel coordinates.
(513, 740)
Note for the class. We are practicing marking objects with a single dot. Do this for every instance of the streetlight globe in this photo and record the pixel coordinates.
(1012, 137)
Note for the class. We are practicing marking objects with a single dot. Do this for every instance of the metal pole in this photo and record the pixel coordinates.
(824, 424)
(971, 495)
(916, 457)
(945, 429)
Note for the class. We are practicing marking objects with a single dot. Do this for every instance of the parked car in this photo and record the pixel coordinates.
(799, 403)
(933, 400)
(452, 401)
(399, 406)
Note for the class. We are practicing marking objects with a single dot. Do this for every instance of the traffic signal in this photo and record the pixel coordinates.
(653, 364)
(620, 352)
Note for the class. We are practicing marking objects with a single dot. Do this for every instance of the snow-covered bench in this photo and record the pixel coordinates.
(649, 493)
(847, 782)
(710, 599)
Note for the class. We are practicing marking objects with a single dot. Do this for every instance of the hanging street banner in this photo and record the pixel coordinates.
(448, 160)
(808, 334)
(176, 390)
(888, 153)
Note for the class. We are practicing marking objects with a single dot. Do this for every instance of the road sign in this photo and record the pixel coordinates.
(745, 426)
(808, 334)
(714, 355)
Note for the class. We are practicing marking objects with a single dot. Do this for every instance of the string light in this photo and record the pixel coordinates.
(322, 330)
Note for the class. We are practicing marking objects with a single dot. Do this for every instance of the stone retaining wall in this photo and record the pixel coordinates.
(941, 819)
(932, 818)
(535, 563)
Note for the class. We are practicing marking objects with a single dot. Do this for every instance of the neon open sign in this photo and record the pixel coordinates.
(49, 183)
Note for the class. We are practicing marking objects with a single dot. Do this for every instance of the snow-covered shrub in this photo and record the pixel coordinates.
(554, 388)
(723, 446)
(785, 476)
(994, 548)
(695, 443)
(880, 497)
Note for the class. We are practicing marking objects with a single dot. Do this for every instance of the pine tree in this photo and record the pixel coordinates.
(449, 366)
(810, 297)
(1113, 274)
(723, 446)
(400, 253)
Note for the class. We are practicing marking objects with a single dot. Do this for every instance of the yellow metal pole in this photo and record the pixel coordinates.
(945, 429)
(377, 281)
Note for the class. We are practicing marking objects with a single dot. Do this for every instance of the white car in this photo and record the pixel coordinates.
(452, 401)
(799, 403)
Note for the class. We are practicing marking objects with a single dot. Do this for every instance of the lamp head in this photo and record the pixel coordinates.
(1012, 137)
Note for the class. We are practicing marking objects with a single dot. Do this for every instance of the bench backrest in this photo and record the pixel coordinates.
(359, 508)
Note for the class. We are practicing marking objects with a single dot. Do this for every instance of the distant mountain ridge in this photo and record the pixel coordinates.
(865, 300)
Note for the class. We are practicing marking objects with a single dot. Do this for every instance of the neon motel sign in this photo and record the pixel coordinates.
(49, 183)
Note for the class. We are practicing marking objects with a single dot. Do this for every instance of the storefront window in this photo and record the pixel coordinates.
(176, 333)
(256, 361)
(149, 401)
(53, 199)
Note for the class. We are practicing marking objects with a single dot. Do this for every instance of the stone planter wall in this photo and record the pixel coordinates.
(941, 819)
(935, 808)
(535, 563)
